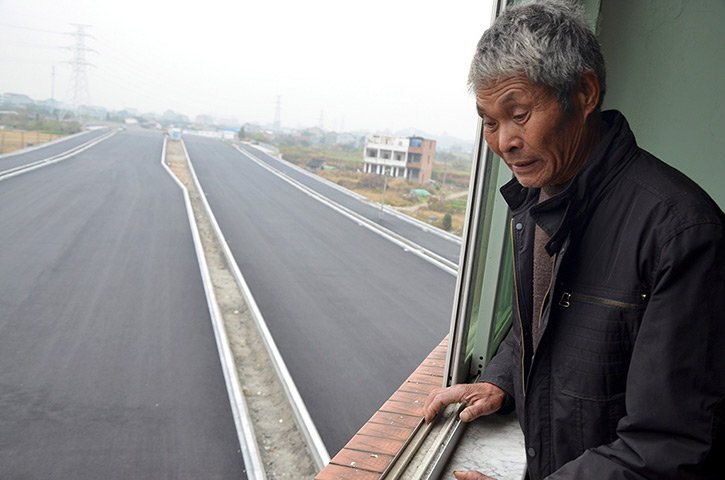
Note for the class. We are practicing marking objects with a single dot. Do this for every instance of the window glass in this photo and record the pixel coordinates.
(504, 303)
(483, 303)
(490, 309)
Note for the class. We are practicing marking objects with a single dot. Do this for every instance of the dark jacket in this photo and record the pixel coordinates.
(628, 377)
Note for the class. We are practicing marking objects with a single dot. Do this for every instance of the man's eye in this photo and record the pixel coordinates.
(519, 117)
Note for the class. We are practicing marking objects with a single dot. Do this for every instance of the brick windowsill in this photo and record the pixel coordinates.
(375, 446)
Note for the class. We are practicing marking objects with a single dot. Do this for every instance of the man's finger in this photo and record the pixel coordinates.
(471, 475)
(433, 404)
(468, 414)
(477, 409)
(438, 399)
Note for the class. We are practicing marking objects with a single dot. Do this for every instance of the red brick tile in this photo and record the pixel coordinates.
(435, 380)
(428, 370)
(415, 387)
(409, 397)
(386, 431)
(337, 472)
(385, 418)
(362, 460)
(403, 408)
(377, 445)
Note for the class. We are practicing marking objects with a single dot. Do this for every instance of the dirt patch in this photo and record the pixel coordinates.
(281, 444)
(11, 140)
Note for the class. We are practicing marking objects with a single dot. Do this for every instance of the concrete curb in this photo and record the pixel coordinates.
(242, 421)
(302, 416)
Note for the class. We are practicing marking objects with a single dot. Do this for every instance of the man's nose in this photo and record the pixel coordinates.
(509, 138)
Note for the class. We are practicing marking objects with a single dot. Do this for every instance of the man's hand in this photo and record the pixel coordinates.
(480, 398)
(471, 475)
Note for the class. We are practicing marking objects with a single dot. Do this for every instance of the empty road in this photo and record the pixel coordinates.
(419, 233)
(352, 314)
(108, 364)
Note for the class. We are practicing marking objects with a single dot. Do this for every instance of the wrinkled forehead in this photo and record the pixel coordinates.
(509, 90)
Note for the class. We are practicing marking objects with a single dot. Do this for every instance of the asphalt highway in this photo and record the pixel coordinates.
(25, 157)
(352, 314)
(413, 231)
(108, 364)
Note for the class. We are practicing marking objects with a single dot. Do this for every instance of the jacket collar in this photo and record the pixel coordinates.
(556, 215)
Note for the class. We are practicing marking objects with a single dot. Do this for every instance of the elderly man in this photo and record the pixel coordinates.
(616, 360)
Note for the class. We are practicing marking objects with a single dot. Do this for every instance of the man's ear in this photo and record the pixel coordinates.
(587, 93)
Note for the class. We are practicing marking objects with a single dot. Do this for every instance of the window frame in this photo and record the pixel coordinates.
(480, 232)
(482, 257)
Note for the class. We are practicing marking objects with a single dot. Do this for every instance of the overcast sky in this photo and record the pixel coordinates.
(373, 65)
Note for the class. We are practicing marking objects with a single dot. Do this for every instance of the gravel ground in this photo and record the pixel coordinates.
(282, 446)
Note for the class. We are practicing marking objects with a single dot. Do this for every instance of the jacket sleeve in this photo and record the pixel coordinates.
(675, 422)
(499, 371)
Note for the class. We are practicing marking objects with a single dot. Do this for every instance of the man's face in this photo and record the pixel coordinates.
(525, 125)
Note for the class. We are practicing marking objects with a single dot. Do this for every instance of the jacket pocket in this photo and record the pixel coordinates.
(595, 334)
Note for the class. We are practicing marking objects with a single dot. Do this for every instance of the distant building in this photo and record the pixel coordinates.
(16, 99)
(315, 164)
(407, 157)
(51, 104)
(230, 133)
(251, 128)
(169, 116)
(310, 136)
(204, 120)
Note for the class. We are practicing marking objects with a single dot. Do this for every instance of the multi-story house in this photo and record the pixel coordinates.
(407, 157)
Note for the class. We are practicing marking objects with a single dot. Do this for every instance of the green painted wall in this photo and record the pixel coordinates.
(666, 73)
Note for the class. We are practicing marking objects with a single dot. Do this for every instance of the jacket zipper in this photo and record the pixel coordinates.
(546, 295)
(518, 307)
(566, 298)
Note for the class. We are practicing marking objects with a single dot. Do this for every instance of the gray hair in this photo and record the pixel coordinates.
(549, 41)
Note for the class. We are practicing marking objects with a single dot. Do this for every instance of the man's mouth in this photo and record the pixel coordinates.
(522, 165)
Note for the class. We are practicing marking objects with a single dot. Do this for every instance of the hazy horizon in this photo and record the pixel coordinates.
(380, 66)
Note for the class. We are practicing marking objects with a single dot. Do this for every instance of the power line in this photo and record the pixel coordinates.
(3, 24)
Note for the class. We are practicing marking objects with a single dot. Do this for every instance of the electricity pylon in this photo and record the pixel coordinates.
(79, 87)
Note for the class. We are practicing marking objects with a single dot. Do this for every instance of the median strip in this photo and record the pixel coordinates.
(280, 439)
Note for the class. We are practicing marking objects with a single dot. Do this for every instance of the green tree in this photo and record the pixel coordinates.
(447, 222)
